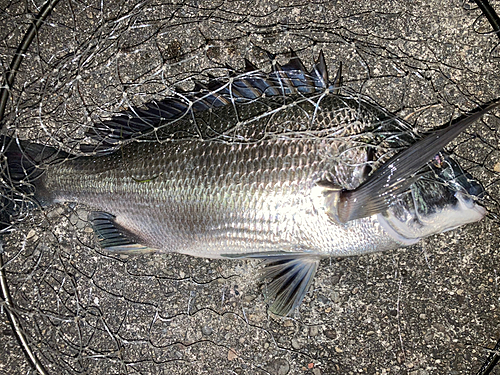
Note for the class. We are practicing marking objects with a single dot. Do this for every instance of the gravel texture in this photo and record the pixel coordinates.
(432, 308)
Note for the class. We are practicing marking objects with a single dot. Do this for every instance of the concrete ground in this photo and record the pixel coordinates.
(432, 308)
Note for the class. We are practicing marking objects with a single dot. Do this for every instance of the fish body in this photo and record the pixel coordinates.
(282, 177)
(215, 198)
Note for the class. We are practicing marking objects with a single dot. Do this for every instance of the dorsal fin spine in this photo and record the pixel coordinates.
(291, 78)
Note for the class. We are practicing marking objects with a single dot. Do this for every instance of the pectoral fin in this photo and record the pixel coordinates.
(113, 237)
(291, 276)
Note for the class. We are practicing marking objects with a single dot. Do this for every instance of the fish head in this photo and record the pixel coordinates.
(443, 198)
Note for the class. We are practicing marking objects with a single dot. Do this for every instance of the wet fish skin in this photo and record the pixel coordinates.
(213, 199)
(289, 177)
(267, 196)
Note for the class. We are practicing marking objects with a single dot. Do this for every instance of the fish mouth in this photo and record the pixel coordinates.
(443, 198)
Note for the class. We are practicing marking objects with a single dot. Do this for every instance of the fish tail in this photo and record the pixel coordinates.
(21, 168)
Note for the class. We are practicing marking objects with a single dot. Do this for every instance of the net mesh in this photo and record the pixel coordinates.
(432, 308)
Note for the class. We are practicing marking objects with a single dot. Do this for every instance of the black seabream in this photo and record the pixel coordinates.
(277, 166)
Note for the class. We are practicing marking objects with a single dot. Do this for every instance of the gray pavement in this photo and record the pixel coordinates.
(432, 308)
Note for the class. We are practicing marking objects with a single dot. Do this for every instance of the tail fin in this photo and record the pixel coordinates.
(21, 167)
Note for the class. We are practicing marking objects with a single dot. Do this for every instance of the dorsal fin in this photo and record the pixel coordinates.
(295, 63)
(140, 123)
(249, 66)
(270, 56)
(320, 70)
(277, 67)
(337, 81)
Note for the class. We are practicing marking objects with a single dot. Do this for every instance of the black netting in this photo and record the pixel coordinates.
(429, 309)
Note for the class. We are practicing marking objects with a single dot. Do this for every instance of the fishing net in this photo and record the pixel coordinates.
(431, 308)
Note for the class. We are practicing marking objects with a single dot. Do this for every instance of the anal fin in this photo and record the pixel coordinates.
(114, 237)
(291, 276)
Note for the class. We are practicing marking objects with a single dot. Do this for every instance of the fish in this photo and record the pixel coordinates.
(286, 167)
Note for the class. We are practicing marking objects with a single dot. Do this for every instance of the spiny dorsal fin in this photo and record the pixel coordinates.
(249, 66)
(337, 81)
(270, 56)
(295, 63)
(277, 67)
(143, 123)
(320, 70)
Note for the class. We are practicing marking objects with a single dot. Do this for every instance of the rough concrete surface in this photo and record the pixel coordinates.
(432, 308)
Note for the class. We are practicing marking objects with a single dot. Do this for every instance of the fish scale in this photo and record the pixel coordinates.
(270, 192)
(287, 170)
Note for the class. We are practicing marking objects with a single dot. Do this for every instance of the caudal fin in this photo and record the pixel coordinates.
(21, 167)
